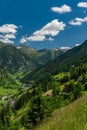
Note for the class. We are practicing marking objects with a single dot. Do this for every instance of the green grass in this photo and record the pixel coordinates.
(71, 117)
(4, 91)
(61, 75)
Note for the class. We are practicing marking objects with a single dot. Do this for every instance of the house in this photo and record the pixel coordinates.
(5, 98)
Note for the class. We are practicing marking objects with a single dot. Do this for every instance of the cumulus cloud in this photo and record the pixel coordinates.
(63, 9)
(5, 40)
(50, 30)
(82, 4)
(10, 36)
(23, 40)
(8, 32)
(8, 28)
(50, 39)
(36, 37)
(78, 21)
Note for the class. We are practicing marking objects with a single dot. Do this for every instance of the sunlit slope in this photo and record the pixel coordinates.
(71, 117)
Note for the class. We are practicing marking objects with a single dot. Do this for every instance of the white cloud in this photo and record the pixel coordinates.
(78, 21)
(8, 28)
(82, 4)
(23, 40)
(50, 39)
(50, 30)
(77, 44)
(8, 32)
(5, 40)
(10, 36)
(63, 9)
(36, 38)
(65, 48)
(1, 36)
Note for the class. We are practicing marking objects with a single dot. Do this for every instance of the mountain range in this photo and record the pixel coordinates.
(46, 86)
(41, 56)
(23, 58)
(74, 56)
(14, 60)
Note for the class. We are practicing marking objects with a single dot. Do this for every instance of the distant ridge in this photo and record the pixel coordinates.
(41, 56)
(74, 56)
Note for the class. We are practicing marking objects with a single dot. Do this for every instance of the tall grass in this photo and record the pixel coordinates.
(71, 117)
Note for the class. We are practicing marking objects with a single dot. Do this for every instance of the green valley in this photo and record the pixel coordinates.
(51, 97)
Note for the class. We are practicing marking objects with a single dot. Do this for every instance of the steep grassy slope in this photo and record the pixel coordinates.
(14, 60)
(71, 117)
(74, 56)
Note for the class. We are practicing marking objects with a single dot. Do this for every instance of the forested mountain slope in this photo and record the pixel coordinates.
(14, 60)
(75, 56)
(41, 56)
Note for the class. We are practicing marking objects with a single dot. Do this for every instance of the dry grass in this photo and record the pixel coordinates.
(49, 93)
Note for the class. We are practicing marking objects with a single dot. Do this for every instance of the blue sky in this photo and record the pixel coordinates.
(43, 23)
